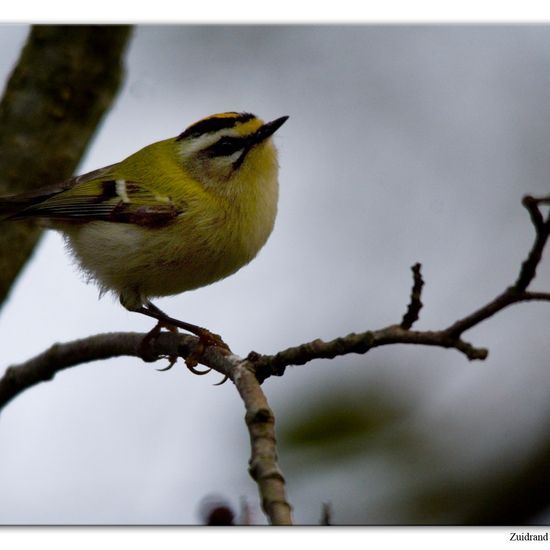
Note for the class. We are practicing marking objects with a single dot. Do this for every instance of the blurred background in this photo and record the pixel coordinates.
(404, 144)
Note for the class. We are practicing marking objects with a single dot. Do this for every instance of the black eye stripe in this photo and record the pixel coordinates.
(226, 146)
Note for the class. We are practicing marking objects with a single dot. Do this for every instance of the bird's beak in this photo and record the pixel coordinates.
(268, 129)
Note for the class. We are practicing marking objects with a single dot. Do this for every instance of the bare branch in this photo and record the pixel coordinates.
(43, 367)
(510, 296)
(448, 338)
(247, 374)
(518, 291)
(415, 305)
(541, 296)
(274, 365)
(261, 427)
(542, 228)
(259, 417)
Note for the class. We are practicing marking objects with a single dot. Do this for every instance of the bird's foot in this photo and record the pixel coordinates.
(150, 337)
(206, 339)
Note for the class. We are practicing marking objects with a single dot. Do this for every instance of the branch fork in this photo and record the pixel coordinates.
(248, 374)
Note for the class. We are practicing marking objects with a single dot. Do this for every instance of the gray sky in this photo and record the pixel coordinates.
(404, 144)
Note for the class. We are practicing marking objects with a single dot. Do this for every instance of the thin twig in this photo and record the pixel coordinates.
(451, 337)
(542, 228)
(415, 305)
(274, 365)
(518, 291)
(247, 374)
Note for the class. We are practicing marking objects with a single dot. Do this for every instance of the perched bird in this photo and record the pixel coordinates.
(176, 215)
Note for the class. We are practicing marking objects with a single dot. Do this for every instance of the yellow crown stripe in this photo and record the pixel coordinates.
(214, 123)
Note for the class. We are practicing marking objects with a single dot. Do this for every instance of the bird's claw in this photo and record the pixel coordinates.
(153, 334)
(223, 381)
(171, 362)
(206, 339)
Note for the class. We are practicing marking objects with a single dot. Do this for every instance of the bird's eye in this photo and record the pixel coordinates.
(225, 146)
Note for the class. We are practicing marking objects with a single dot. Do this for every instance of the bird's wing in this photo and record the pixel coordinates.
(94, 196)
(14, 203)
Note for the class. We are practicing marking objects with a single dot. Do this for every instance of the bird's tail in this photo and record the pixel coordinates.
(12, 207)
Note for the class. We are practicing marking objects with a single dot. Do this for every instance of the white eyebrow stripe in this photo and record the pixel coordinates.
(204, 141)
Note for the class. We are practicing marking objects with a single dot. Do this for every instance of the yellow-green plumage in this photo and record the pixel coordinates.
(178, 214)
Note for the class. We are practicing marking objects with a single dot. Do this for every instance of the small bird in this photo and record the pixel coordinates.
(176, 215)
